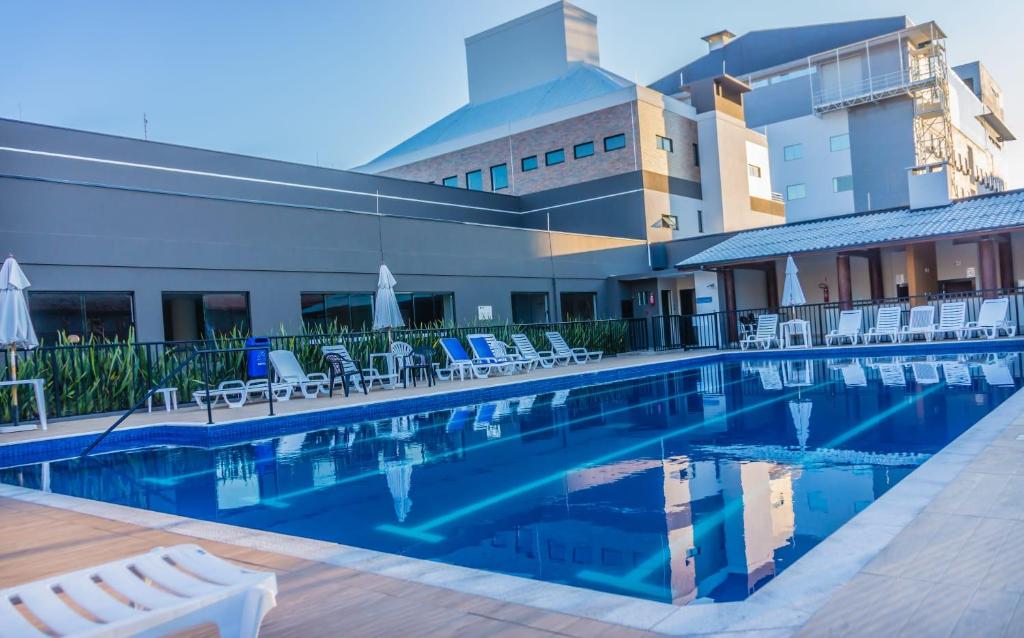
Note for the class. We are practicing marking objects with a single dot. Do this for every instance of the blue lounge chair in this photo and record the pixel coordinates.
(460, 362)
(481, 345)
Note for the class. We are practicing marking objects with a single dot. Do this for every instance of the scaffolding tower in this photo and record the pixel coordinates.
(929, 88)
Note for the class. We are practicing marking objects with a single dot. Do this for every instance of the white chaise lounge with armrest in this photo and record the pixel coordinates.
(991, 320)
(952, 319)
(579, 355)
(921, 322)
(766, 333)
(849, 327)
(887, 325)
(160, 592)
(545, 358)
(288, 370)
(481, 345)
(233, 393)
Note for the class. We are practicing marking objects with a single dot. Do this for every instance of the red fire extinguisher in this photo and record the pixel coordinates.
(824, 291)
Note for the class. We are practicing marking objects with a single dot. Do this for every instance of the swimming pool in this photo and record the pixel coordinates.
(703, 481)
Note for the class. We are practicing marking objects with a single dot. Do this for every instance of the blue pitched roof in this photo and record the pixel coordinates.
(975, 214)
(580, 83)
(764, 49)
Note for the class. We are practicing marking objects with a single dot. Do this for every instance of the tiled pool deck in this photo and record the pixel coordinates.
(940, 554)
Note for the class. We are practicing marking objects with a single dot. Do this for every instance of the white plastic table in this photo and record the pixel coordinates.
(40, 404)
(170, 396)
(795, 327)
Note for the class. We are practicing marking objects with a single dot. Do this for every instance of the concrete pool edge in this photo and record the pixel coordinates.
(781, 606)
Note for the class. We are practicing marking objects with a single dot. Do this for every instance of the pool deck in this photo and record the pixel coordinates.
(940, 554)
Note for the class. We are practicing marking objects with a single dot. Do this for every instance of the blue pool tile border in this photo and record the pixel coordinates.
(219, 435)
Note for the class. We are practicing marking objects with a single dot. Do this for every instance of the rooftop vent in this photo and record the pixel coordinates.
(718, 39)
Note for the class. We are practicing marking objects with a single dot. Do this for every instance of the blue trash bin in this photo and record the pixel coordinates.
(256, 360)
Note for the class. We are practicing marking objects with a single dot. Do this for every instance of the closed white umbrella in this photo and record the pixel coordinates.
(386, 314)
(801, 413)
(792, 293)
(399, 478)
(15, 324)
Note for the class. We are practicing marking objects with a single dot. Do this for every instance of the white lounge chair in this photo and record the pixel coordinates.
(258, 388)
(957, 374)
(997, 374)
(887, 325)
(892, 374)
(579, 355)
(154, 594)
(922, 322)
(233, 393)
(853, 375)
(288, 370)
(849, 327)
(769, 375)
(925, 372)
(991, 320)
(545, 358)
(767, 332)
(952, 316)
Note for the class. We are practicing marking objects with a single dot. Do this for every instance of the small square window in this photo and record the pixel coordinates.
(796, 191)
(529, 163)
(753, 170)
(586, 149)
(614, 142)
(475, 180)
(842, 184)
(793, 152)
(664, 143)
(452, 181)
(554, 157)
(839, 142)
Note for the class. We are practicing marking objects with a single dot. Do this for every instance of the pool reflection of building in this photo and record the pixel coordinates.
(714, 512)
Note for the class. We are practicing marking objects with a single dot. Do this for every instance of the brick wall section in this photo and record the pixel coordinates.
(592, 127)
(654, 121)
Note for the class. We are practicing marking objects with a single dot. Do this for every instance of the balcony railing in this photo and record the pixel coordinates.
(870, 89)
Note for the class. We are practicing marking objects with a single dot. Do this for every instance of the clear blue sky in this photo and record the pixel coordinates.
(343, 81)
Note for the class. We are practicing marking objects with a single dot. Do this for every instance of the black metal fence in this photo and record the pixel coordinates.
(723, 330)
(96, 378)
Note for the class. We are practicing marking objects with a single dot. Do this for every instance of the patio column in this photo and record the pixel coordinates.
(1006, 281)
(844, 285)
(987, 266)
(875, 274)
(771, 285)
(729, 290)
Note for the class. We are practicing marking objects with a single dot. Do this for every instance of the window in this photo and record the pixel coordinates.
(452, 181)
(586, 149)
(578, 305)
(664, 143)
(793, 152)
(499, 177)
(554, 157)
(529, 307)
(529, 163)
(337, 311)
(670, 221)
(842, 184)
(839, 142)
(204, 315)
(101, 315)
(423, 309)
(700, 221)
(475, 180)
(696, 155)
(796, 191)
(753, 170)
(614, 142)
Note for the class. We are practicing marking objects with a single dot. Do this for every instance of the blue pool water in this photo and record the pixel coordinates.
(700, 483)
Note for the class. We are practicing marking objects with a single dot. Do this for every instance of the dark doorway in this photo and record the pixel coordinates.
(954, 286)
(688, 306)
(626, 308)
(666, 302)
(903, 292)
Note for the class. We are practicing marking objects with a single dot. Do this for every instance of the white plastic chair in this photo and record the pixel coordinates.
(887, 325)
(288, 370)
(161, 592)
(579, 355)
(850, 322)
(991, 320)
(767, 332)
(922, 322)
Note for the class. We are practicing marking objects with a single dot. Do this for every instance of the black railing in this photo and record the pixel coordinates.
(99, 378)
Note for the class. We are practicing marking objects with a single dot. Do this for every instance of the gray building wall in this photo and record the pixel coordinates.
(777, 102)
(94, 226)
(881, 151)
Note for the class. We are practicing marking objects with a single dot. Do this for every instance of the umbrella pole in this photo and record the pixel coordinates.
(13, 350)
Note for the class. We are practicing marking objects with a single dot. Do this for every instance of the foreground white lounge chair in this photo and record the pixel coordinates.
(233, 393)
(579, 355)
(546, 358)
(922, 322)
(991, 320)
(157, 593)
(887, 325)
(850, 322)
(288, 370)
(767, 332)
(952, 316)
